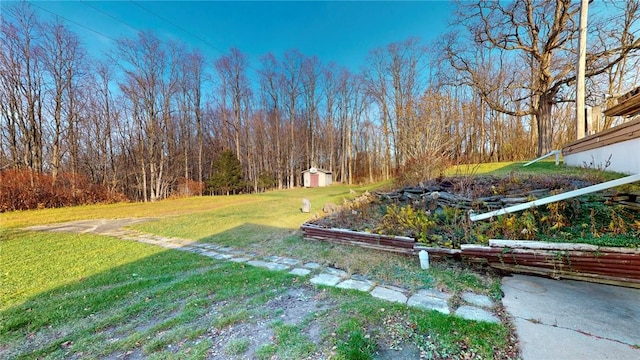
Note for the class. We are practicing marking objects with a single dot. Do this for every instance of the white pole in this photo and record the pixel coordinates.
(582, 55)
(559, 197)
(553, 152)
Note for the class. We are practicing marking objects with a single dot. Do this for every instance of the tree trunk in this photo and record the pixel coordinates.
(545, 130)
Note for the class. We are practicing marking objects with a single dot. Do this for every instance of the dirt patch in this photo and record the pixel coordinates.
(95, 226)
(296, 305)
(257, 334)
(404, 351)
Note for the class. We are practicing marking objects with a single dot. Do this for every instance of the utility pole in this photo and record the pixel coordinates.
(582, 55)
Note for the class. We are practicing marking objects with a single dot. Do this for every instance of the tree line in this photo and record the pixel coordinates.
(155, 118)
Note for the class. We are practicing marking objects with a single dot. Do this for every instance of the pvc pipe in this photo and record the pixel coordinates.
(559, 197)
(424, 259)
(554, 152)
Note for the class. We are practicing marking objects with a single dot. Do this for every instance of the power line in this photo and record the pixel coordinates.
(109, 15)
(178, 27)
(186, 31)
(74, 22)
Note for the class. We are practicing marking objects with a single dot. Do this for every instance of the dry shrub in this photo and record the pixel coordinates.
(188, 187)
(22, 189)
(423, 168)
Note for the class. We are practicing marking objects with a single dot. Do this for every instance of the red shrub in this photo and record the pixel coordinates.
(24, 189)
(188, 187)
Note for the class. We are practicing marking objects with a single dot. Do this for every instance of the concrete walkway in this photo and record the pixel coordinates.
(566, 319)
(475, 307)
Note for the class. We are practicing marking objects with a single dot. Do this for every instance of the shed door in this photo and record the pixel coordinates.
(315, 180)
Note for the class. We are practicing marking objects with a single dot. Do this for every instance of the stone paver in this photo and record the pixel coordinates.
(212, 254)
(268, 265)
(312, 265)
(387, 294)
(325, 279)
(477, 300)
(396, 288)
(334, 271)
(430, 300)
(359, 277)
(290, 262)
(209, 246)
(237, 253)
(300, 272)
(476, 313)
(360, 285)
(223, 256)
(435, 293)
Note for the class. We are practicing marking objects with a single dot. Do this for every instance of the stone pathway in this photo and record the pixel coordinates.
(476, 307)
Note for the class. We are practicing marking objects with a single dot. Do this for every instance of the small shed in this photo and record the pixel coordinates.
(315, 177)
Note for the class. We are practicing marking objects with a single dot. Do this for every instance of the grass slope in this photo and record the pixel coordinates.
(89, 296)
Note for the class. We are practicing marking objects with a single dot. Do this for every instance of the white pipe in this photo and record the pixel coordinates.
(554, 152)
(559, 197)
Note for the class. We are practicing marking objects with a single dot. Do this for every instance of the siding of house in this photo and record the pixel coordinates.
(618, 147)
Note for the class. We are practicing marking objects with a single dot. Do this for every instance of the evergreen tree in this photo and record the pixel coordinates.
(227, 174)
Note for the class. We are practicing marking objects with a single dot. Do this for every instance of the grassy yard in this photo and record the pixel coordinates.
(516, 168)
(90, 296)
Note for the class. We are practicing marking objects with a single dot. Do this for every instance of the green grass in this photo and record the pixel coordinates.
(123, 296)
(357, 347)
(237, 346)
(89, 296)
(516, 168)
(291, 342)
(163, 303)
(69, 258)
(287, 203)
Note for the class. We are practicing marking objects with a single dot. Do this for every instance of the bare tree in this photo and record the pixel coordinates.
(22, 86)
(62, 59)
(329, 77)
(270, 82)
(310, 74)
(232, 73)
(376, 80)
(196, 68)
(291, 67)
(149, 85)
(541, 34)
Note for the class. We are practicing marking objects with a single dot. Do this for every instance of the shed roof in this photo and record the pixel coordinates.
(317, 170)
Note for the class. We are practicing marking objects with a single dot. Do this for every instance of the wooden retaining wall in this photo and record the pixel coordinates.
(397, 244)
(608, 265)
(616, 266)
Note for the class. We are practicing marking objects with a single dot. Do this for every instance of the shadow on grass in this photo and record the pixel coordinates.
(175, 303)
(170, 297)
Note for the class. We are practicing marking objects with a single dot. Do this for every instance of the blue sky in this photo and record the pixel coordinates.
(343, 32)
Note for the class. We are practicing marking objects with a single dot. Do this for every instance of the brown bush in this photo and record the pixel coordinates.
(425, 168)
(188, 187)
(22, 189)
